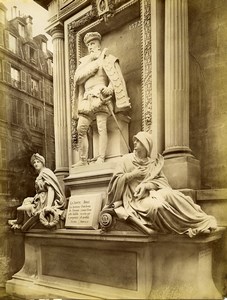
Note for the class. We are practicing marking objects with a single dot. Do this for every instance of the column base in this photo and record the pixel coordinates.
(183, 172)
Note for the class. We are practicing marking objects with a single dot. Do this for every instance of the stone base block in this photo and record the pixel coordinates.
(93, 178)
(182, 172)
(81, 264)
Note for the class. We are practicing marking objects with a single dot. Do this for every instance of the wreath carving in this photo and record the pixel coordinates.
(49, 217)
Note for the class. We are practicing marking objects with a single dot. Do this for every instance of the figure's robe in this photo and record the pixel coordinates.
(162, 209)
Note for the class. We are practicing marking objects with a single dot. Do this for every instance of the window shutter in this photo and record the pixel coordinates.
(20, 111)
(41, 89)
(6, 39)
(28, 114)
(23, 81)
(51, 95)
(6, 71)
(29, 83)
(1, 73)
(2, 106)
(27, 52)
(1, 36)
(36, 55)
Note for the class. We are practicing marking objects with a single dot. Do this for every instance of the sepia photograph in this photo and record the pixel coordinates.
(113, 149)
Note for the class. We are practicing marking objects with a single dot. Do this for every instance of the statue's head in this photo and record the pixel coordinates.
(145, 139)
(37, 161)
(93, 41)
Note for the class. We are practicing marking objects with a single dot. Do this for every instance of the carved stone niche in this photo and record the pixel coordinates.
(121, 34)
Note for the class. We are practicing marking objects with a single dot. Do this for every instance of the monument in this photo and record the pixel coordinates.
(109, 245)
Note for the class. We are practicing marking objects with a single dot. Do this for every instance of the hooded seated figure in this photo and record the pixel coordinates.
(140, 192)
(48, 200)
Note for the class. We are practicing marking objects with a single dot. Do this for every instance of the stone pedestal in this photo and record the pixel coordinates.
(182, 172)
(81, 264)
(88, 188)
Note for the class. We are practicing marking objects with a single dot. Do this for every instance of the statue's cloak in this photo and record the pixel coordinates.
(114, 74)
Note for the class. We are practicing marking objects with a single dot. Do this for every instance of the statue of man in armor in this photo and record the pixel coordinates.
(99, 88)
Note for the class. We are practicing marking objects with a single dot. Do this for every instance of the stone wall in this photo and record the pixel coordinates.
(208, 89)
(208, 113)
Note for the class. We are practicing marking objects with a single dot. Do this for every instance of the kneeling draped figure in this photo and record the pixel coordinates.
(140, 191)
(48, 204)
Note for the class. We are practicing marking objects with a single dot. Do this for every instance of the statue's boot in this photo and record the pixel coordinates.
(100, 160)
(81, 162)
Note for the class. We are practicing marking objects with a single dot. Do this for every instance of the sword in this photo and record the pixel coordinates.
(108, 104)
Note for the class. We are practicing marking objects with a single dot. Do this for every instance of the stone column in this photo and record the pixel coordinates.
(181, 168)
(60, 124)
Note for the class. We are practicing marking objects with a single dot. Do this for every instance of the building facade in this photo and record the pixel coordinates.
(26, 100)
(26, 90)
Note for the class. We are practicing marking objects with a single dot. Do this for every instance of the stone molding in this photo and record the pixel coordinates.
(145, 6)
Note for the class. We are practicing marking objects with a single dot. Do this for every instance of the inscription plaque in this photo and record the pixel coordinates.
(83, 211)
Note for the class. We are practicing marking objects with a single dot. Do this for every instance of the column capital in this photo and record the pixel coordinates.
(57, 31)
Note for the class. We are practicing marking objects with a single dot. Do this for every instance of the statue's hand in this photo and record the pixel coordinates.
(107, 91)
(139, 173)
(140, 191)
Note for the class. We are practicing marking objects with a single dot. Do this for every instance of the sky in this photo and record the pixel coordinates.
(38, 13)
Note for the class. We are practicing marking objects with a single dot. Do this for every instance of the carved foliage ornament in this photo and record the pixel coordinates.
(147, 65)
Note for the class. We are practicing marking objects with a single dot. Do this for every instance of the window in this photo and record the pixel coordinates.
(16, 111)
(34, 116)
(15, 77)
(21, 29)
(32, 55)
(12, 43)
(3, 153)
(34, 87)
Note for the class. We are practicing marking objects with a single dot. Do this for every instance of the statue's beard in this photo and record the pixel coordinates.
(95, 55)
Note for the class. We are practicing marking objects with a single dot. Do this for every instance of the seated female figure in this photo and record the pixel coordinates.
(49, 198)
(140, 191)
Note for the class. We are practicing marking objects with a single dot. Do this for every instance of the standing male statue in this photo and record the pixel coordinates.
(99, 88)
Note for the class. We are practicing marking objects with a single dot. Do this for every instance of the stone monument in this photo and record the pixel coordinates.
(128, 257)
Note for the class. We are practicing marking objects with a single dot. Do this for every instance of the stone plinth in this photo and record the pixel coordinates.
(82, 264)
(93, 178)
(88, 184)
(183, 172)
